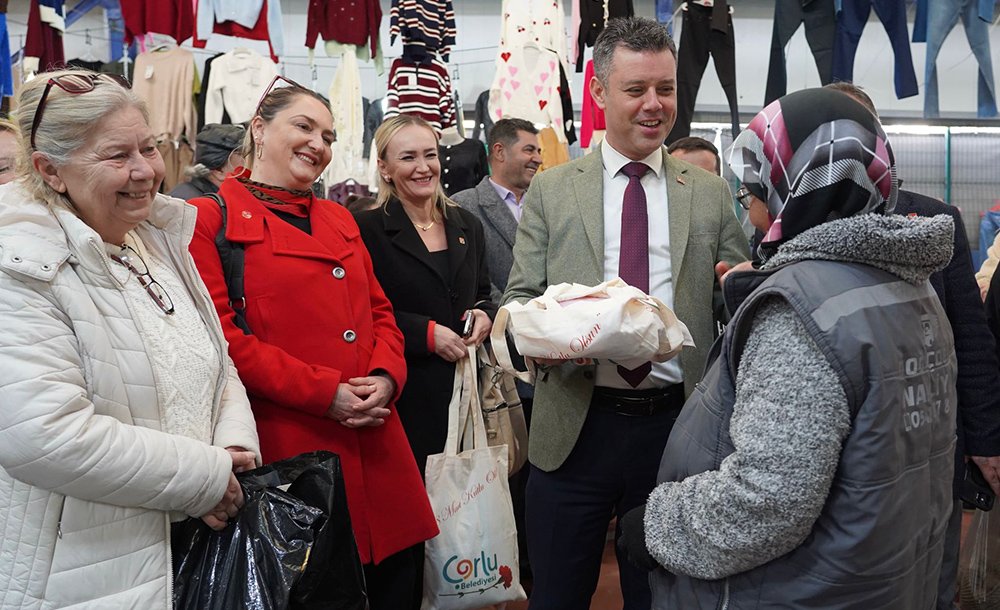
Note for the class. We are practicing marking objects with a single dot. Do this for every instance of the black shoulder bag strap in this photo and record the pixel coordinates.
(231, 255)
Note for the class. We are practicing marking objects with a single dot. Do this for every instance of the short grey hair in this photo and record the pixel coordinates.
(67, 122)
(636, 34)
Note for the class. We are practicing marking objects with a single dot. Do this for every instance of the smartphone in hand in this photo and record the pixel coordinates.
(470, 322)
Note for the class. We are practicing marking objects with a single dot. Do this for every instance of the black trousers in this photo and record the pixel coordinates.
(393, 584)
(698, 41)
(518, 488)
(611, 470)
(821, 28)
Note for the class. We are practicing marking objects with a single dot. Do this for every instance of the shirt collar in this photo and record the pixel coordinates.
(505, 193)
(614, 161)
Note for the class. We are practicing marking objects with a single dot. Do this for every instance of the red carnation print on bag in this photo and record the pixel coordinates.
(506, 576)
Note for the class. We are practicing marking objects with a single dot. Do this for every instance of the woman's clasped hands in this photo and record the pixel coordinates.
(362, 401)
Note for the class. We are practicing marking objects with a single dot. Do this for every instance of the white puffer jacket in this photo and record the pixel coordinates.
(86, 475)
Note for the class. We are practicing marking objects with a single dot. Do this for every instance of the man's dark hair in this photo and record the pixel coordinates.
(856, 92)
(692, 143)
(505, 132)
(636, 34)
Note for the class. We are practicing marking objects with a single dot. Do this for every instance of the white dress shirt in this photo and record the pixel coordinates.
(661, 286)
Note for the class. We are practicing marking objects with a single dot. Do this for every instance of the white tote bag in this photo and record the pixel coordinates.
(473, 562)
(611, 322)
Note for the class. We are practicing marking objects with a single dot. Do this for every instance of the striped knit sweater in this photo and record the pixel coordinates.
(423, 90)
(426, 23)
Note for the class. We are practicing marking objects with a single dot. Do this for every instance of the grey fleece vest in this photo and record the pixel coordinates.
(878, 540)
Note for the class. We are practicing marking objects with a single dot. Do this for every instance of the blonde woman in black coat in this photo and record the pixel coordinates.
(429, 257)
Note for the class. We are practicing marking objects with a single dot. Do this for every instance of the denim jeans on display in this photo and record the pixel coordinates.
(851, 21)
(942, 16)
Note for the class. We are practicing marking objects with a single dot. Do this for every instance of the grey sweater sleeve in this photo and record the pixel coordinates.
(788, 425)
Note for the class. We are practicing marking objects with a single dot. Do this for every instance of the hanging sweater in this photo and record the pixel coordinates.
(425, 23)
(591, 117)
(421, 89)
(172, 17)
(165, 80)
(237, 82)
(268, 27)
(594, 14)
(348, 159)
(354, 22)
(463, 165)
(526, 86)
(537, 21)
(43, 45)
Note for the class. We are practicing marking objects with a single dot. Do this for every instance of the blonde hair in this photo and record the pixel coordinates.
(7, 126)
(383, 136)
(67, 122)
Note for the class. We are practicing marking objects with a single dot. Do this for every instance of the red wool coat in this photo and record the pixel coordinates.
(319, 317)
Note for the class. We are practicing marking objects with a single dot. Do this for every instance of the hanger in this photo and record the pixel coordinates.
(88, 54)
(165, 43)
(242, 51)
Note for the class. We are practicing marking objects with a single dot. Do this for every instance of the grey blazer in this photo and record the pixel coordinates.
(561, 239)
(499, 226)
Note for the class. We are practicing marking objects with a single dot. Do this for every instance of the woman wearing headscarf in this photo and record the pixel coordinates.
(812, 466)
(120, 411)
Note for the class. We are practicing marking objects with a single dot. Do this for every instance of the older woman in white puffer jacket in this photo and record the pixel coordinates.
(120, 411)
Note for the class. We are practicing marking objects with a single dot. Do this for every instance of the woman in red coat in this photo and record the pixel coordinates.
(324, 364)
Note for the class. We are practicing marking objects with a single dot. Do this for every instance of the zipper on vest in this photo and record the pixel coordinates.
(724, 602)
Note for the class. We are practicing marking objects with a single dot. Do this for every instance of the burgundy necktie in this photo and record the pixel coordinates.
(633, 260)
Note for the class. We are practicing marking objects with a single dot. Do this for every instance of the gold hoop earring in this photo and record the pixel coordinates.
(259, 146)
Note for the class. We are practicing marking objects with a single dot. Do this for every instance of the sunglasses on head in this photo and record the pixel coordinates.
(271, 87)
(744, 196)
(74, 84)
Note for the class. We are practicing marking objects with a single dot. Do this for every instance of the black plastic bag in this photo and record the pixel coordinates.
(253, 563)
(333, 579)
(291, 503)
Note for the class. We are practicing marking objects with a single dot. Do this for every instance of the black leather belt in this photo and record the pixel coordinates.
(637, 403)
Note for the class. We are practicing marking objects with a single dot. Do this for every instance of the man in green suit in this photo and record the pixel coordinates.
(627, 210)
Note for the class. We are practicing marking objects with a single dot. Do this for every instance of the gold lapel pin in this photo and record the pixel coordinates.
(246, 214)
(680, 180)
(461, 240)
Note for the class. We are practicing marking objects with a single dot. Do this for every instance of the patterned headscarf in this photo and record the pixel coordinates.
(814, 156)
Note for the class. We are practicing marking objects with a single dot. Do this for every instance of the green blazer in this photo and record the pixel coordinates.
(561, 239)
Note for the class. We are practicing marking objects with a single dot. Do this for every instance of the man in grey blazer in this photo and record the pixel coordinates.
(627, 210)
(498, 199)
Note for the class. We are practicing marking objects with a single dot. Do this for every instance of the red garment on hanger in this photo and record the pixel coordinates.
(43, 41)
(174, 18)
(259, 31)
(591, 117)
(345, 21)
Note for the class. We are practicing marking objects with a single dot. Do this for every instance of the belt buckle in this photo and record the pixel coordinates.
(636, 407)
